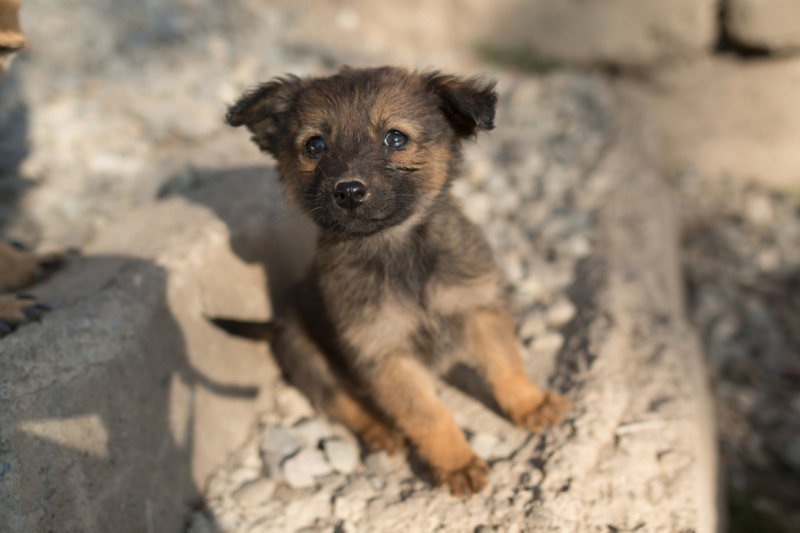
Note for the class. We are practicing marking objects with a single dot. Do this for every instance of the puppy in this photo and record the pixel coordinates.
(401, 282)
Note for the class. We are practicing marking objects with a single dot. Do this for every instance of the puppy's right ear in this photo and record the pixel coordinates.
(263, 108)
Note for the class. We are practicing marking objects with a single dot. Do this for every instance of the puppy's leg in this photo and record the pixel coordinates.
(403, 389)
(308, 370)
(492, 343)
(19, 268)
(18, 310)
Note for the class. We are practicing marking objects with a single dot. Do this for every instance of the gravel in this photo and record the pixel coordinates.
(742, 262)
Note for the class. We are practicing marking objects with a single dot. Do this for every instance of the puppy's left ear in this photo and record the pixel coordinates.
(468, 104)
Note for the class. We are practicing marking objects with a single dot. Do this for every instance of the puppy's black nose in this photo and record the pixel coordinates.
(349, 194)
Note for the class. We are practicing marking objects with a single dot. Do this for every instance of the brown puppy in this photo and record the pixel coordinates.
(401, 281)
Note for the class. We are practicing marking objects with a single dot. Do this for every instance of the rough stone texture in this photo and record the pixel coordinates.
(117, 406)
(770, 24)
(638, 450)
(629, 33)
(723, 117)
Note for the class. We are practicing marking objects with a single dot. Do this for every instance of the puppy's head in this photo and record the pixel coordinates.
(365, 149)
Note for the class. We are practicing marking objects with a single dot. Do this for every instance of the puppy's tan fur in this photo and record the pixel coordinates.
(401, 281)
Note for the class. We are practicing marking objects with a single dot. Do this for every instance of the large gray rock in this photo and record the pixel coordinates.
(770, 24)
(115, 409)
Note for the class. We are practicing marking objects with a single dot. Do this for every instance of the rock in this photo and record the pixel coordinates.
(381, 462)
(768, 24)
(629, 33)
(312, 431)
(478, 207)
(299, 471)
(489, 447)
(533, 326)
(277, 443)
(548, 343)
(254, 493)
(560, 312)
(125, 392)
(697, 108)
(351, 504)
(575, 247)
(342, 455)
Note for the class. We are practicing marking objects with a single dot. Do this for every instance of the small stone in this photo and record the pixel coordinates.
(531, 288)
(342, 455)
(549, 343)
(478, 207)
(759, 210)
(498, 184)
(277, 443)
(311, 431)
(293, 405)
(561, 312)
(512, 267)
(555, 278)
(300, 470)
(769, 260)
(254, 493)
(376, 482)
(533, 326)
(489, 446)
(575, 247)
(350, 507)
(381, 462)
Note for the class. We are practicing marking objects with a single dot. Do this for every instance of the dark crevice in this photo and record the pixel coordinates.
(727, 44)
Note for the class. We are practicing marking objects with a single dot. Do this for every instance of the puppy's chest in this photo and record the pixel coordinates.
(407, 295)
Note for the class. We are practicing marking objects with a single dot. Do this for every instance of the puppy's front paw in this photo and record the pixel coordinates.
(18, 310)
(381, 437)
(464, 481)
(547, 412)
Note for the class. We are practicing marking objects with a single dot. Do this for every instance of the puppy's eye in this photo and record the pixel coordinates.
(315, 146)
(395, 139)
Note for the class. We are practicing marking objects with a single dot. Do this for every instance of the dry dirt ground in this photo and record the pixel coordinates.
(157, 75)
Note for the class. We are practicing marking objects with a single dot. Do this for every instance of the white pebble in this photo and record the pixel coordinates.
(575, 247)
(561, 312)
(478, 207)
(759, 210)
(300, 470)
(489, 447)
(342, 455)
(276, 444)
(311, 431)
(533, 326)
(547, 344)
(254, 493)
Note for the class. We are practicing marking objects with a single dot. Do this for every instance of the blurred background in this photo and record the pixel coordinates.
(114, 103)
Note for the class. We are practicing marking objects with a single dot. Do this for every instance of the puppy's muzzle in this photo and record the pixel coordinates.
(349, 194)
